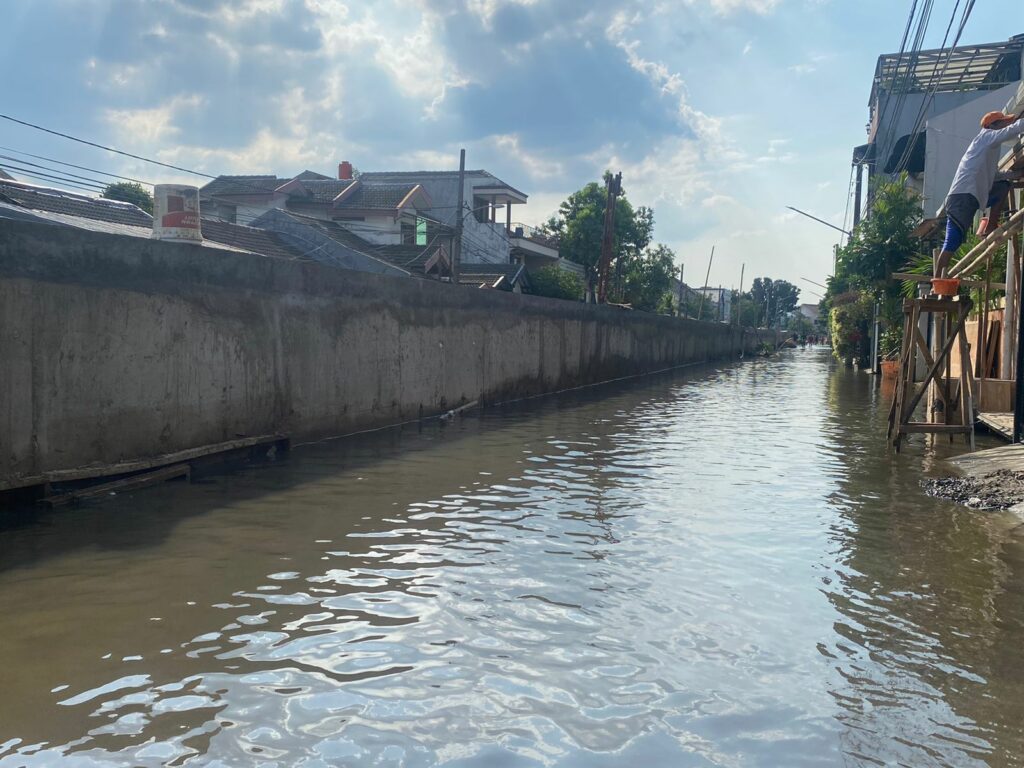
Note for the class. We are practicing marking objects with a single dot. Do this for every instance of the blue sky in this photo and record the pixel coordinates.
(719, 113)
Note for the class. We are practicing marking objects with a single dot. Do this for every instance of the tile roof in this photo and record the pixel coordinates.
(377, 196)
(311, 175)
(323, 190)
(68, 203)
(394, 176)
(411, 258)
(260, 184)
(17, 212)
(261, 241)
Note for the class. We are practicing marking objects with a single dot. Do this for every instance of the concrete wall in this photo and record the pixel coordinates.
(118, 348)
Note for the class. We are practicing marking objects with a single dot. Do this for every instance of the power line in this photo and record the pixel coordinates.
(108, 149)
(936, 80)
(101, 183)
(51, 179)
(72, 165)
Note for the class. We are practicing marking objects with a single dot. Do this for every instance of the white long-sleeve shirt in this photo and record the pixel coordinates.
(977, 169)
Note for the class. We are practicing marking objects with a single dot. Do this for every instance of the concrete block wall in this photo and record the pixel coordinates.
(116, 349)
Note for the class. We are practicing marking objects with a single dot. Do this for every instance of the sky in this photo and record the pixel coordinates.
(718, 113)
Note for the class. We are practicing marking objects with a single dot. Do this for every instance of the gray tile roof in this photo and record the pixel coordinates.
(411, 258)
(369, 196)
(260, 184)
(17, 212)
(322, 190)
(250, 239)
(69, 203)
(414, 176)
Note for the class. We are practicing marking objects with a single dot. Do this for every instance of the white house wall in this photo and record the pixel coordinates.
(481, 243)
(948, 135)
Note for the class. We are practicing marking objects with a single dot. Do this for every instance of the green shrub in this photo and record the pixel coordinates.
(850, 325)
(556, 283)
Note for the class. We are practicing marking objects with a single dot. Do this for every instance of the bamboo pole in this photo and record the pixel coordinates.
(973, 259)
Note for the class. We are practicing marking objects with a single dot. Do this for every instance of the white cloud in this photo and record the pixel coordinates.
(725, 7)
(150, 126)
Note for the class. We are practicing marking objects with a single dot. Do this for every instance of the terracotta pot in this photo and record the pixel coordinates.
(890, 368)
(946, 286)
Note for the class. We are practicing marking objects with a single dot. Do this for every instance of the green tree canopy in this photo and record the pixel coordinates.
(579, 228)
(554, 282)
(130, 192)
(773, 299)
(647, 278)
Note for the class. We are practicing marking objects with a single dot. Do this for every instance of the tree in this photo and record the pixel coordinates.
(130, 192)
(773, 299)
(556, 283)
(578, 229)
(647, 278)
(883, 243)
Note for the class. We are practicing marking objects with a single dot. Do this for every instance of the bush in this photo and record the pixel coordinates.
(556, 283)
(849, 322)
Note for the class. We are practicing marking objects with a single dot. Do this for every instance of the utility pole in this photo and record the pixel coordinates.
(457, 255)
(857, 196)
(682, 306)
(700, 312)
(739, 298)
(614, 189)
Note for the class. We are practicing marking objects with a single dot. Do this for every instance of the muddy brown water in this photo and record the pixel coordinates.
(717, 567)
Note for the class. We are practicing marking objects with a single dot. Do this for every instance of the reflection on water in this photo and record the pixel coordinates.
(724, 568)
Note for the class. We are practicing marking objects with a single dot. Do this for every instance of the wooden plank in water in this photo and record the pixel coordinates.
(1000, 423)
(124, 467)
(126, 484)
(985, 462)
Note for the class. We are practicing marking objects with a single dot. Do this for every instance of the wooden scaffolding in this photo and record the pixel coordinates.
(950, 409)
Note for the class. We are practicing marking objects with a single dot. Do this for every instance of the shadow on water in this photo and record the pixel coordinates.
(930, 598)
(146, 517)
(722, 567)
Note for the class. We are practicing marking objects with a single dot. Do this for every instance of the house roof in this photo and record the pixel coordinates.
(491, 181)
(261, 241)
(258, 184)
(319, 190)
(5, 175)
(387, 196)
(411, 258)
(966, 67)
(58, 201)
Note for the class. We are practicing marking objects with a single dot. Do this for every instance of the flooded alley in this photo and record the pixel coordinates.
(722, 566)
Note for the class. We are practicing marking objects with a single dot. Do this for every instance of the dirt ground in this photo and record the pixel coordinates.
(998, 490)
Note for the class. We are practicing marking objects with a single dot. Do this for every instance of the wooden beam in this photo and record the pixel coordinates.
(920, 427)
(126, 467)
(126, 484)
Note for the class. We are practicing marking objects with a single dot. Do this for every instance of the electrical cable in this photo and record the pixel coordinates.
(100, 182)
(108, 149)
(72, 165)
(84, 183)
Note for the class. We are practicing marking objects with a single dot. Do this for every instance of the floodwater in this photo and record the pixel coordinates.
(717, 567)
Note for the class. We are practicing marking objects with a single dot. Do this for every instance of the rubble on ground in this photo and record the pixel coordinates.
(998, 490)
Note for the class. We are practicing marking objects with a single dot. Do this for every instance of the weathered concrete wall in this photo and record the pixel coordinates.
(117, 348)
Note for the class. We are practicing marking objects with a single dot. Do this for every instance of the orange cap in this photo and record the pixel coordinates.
(995, 117)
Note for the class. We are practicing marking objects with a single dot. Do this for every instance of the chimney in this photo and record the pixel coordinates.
(345, 170)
